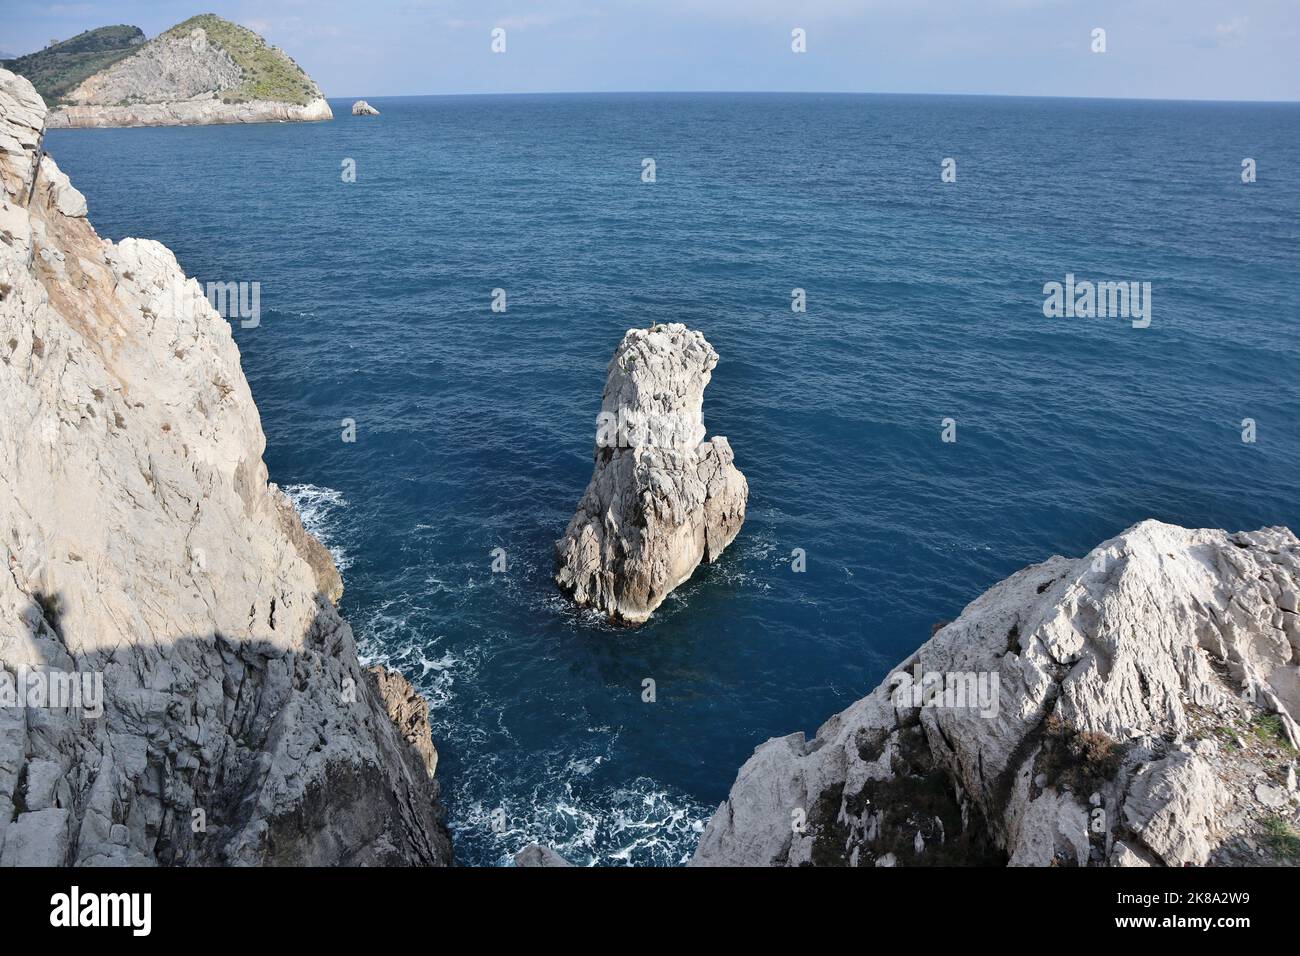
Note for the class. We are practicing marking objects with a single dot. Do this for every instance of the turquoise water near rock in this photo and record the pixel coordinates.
(925, 302)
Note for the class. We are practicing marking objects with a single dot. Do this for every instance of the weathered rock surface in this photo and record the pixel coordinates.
(661, 499)
(144, 547)
(186, 76)
(537, 855)
(409, 711)
(1144, 692)
(362, 108)
(165, 68)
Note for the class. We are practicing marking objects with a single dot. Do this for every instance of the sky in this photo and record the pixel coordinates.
(1166, 49)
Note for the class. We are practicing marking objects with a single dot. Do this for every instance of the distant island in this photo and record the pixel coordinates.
(204, 70)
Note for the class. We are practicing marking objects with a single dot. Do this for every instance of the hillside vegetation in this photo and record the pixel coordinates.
(269, 73)
(60, 67)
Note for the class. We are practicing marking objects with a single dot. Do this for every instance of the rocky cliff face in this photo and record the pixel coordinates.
(661, 499)
(146, 553)
(1132, 707)
(206, 70)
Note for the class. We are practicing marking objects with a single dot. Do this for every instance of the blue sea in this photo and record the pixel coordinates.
(924, 302)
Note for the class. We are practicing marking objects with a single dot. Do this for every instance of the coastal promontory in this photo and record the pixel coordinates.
(205, 70)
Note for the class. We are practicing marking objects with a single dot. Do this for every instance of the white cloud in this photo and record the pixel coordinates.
(1232, 33)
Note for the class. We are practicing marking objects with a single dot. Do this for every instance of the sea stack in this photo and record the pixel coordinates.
(661, 499)
(192, 695)
(1133, 707)
(362, 108)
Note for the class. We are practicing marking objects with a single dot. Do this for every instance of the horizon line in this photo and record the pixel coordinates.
(1008, 96)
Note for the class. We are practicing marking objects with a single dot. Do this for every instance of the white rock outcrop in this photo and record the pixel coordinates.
(661, 498)
(362, 108)
(1119, 709)
(145, 554)
(208, 111)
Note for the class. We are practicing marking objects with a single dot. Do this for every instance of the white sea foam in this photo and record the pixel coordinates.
(570, 798)
(386, 636)
(639, 823)
(319, 509)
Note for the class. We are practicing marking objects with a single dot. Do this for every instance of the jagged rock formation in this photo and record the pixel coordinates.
(1145, 695)
(362, 108)
(661, 498)
(205, 70)
(409, 711)
(145, 550)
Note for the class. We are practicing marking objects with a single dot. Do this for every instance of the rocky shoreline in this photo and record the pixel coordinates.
(1133, 707)
(208, 112)
(225, 717)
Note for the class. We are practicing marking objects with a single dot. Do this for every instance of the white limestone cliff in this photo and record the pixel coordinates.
(1143, 715)
(207, 111)
(661, 499)
(144, 548)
